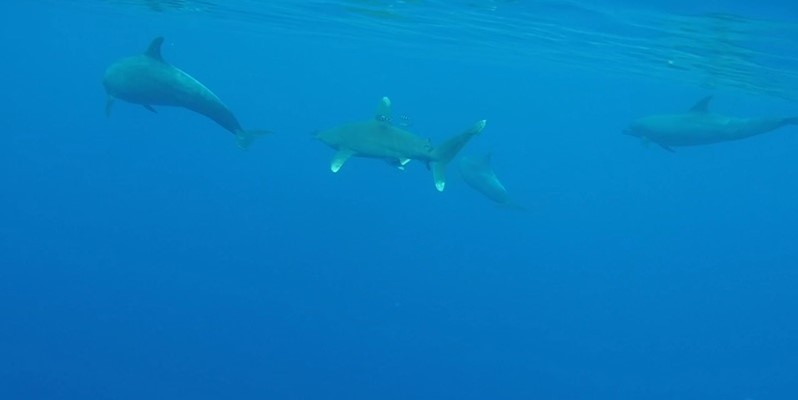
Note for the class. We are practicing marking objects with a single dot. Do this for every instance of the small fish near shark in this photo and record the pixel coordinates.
(699, 126)
(379, 138)
(148, 80)
(479, 175)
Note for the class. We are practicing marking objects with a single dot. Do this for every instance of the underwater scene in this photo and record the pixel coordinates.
(399, 199)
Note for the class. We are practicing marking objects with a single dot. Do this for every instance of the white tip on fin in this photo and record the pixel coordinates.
(339, 160)
(439, 175)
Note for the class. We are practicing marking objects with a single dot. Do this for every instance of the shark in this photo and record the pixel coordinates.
(479, 175)
(379, 138)
(699, 126)
(148, 80)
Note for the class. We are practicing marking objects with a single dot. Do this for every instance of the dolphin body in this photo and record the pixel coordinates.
(378, 138)
(699, 126)
(148, 80)
(478, 173)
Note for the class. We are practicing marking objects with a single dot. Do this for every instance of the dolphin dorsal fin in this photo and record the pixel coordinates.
(383, 112)
(154, 51)
(702, 105)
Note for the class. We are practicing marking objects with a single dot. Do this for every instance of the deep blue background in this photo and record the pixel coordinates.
(145, 256)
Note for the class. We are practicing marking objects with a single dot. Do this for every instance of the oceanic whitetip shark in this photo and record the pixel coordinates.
(478, 173)
(699, 126)
(379, 138)
(148, 80)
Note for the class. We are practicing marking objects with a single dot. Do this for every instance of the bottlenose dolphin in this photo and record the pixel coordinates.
(478, 173)
(148, 80)
(699, 126)
(379, 138)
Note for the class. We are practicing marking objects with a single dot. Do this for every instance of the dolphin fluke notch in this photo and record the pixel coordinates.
(702, 105)
(444, 153)
(154, 49)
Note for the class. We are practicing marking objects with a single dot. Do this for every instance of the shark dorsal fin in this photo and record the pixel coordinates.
(702, 105)
(383, 112)
(154, 51)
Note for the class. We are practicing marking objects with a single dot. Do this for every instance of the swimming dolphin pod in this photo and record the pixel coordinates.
(699, 126)
(379, 138)
(147, 79)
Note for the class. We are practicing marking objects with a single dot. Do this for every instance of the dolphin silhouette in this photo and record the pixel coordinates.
(699, 126)
(148, 80)
(479, 175)
(379, 138)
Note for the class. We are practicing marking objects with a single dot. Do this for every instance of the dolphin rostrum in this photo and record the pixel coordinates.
(148, 80)
(478, 173)
(379, 138)
(699, 126)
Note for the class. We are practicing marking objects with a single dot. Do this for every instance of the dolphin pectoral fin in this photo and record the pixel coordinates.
(109, 103)
(339, 159)
(244, 139)
(149, 108)
(666, 147)
(702, 105)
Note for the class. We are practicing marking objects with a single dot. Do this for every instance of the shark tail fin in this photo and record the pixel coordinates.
(244, 138)
(444, 153)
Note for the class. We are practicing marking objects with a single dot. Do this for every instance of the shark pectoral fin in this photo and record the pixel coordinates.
(244, 139)
(666, 147)
(149, 107)
(109, 103)
(439, 175)
(339, 159)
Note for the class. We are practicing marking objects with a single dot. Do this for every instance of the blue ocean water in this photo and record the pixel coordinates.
(145, 256)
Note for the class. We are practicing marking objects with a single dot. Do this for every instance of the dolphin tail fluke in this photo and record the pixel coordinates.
(244, 139)
(444, 153)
